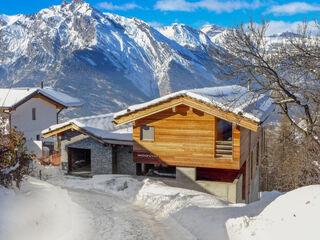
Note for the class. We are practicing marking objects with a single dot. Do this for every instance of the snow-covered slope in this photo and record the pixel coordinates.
(293, 215)
(187, 37)
(108, 60)
(214, 32)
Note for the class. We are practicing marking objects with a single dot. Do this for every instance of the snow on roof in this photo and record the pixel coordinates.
(11, 97)
(233, 98)
(100, 126)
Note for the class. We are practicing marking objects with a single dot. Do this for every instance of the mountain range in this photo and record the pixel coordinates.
(105, 59)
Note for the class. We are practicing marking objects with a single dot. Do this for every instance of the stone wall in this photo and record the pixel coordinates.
(125, 164)
(101, 156)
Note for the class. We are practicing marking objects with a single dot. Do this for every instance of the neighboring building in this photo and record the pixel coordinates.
(33, 109)
(214, 142)
(93, 145)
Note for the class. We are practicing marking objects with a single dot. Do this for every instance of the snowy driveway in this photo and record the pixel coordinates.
(114, 218)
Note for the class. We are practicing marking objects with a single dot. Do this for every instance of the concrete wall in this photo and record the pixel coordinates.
(227, 191)
(254, 193)
(34, 147)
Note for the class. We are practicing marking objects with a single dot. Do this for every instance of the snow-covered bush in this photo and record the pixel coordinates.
(14, 160)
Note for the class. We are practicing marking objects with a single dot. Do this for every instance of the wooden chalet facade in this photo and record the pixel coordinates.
(213, 149)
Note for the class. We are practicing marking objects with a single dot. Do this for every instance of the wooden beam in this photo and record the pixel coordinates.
(228, 116)
(57, 131)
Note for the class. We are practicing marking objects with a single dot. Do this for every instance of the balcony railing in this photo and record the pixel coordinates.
(224, 149)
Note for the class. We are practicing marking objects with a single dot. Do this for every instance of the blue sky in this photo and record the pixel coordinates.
(283, 15)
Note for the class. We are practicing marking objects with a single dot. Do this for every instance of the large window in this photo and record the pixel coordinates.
(147, 133)
(224, 130)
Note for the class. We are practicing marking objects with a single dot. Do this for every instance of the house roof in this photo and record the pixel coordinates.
(233, 98)
(99, 126)
(13, 97)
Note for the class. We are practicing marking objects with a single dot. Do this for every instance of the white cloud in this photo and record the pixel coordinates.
(155, 24)
(293, 8)
(217, 6)
(111, 6)
(282, 26)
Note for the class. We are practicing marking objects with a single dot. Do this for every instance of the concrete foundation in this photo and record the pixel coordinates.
(231, 192)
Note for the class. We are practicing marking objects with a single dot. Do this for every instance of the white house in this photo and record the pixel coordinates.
(33, 109)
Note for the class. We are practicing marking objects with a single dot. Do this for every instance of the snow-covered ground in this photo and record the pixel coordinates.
(124, 207)
(41, 211)
(294, 215)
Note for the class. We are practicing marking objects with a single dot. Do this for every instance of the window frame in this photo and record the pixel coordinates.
(141, 133)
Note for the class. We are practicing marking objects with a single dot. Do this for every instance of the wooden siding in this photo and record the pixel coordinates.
(187, 101)
(183, 137)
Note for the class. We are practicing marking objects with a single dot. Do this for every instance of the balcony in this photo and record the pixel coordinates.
(224, 150)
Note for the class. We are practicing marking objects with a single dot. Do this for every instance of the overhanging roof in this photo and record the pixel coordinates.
(100, 127)
(233, 103)
(11, 98)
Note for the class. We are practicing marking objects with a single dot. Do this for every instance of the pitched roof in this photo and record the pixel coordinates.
(233, 98)
(13, 97)
(100, 126)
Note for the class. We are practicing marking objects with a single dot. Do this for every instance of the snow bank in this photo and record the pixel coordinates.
(203, 215)
(294, 215)
(41, 211)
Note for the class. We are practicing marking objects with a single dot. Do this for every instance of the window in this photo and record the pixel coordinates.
(38, 137)
(33, 114)
(147, 133)
(224, 130)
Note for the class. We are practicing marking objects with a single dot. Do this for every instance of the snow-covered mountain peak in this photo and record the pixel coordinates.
(212, 30)
(110, 60)
(186, 36)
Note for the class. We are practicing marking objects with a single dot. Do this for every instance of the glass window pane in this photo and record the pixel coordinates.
(224, 130)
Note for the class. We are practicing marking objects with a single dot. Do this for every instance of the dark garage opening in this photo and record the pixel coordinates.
(217, 175)
(79, 160)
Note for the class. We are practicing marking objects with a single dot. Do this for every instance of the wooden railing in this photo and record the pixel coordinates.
(224, 149)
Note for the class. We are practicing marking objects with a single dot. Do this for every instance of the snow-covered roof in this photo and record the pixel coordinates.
(100, 126)
(12, 97)
(232, 98)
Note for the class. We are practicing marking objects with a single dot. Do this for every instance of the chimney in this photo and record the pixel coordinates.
(41, 84)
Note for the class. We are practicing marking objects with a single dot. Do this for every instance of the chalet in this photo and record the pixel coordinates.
(93, 145)
(213, 138)
(31, 110)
